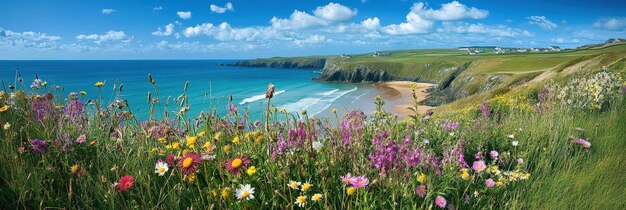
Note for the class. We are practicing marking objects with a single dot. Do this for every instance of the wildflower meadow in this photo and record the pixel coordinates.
(560, 147)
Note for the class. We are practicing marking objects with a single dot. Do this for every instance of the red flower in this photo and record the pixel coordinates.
(125, 183)
(189, 163)
(233, 166)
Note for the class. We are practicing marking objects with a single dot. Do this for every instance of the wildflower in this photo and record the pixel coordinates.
(227, 148)
(81, 139)
(208, 156)
(334, 111)
(251, 171)
(475, 193)
(282, 110)
(217, 136)
(303, 112)
(6, 126)
(421, 178)
(83, 92)
(494, 154)
(201, 133)
(160, 168)
(225, 193)
(359, 182)
(233, 166)
(586, 144)
(170, 160)
(421, 191)
(125, 183)
(317, 145)
(236, 140)
(38, 146)
(440, 201)
(301, 201)
(259, 140)
(346, 179)
(317, 197)
(191, 141)
(490, 183)
(448, 126)
(74, 169)
(4, 108)
(465, 174)
(515, 143)
(245, 192)
(98, 84)
(479, 166)
(191, 178)
(189, 163)
(351, 190)
(306, 186)
(270, 91)
(293, 184)
(511, 136)
(520, 161)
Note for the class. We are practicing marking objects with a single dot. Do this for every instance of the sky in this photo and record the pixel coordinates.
(216, 29)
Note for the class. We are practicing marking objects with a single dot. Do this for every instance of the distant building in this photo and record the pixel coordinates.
(473, 52)
(381, 53)
(555, 48)
(345, 55)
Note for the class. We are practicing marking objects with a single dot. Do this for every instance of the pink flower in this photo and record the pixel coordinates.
(440, 201)
(346, 179)
(81, 139)
(421, 191)
(585, 143)
(125, 183)
(490, 183)
(479, 166)
(494, 154)
(233, 166)
(189, 163)
(359, 181)
(170, 160)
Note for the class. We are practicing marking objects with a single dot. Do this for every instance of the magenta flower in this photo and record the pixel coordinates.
(346, 179)
(479, 166)
(494, 154)
(440, 201)
(359, 181)
(490, 183)
(189, 163)
(81, 139)
(421, 191)
(38, 146)
(586, 144)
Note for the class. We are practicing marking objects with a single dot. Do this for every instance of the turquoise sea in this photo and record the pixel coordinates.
(210, 85)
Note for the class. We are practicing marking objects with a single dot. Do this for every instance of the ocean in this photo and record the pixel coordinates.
(210, 85)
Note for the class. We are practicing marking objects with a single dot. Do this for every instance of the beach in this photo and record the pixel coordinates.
(398, 96)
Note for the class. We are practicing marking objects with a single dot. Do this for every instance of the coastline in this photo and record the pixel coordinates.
(398, 96)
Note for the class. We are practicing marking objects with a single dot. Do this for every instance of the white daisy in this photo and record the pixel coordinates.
(245, 192)
(301, 201)
(515, 143)
(161, 168)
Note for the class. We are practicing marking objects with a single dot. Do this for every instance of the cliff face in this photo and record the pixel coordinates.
(360, 74)
(310, 63)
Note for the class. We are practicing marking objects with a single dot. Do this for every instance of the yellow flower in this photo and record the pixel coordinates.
(191, 178)
(247, 135)
(293, 184)
(301, 201)
(303, 112)
(83, 92)
(92, 142)
(214, 193)
(317, 197)
(44, 83)
(225, 193)
(201, 133)
(334, 111)
(227, 148)
(4, 108)
(74, 168)
(99, 84)
(475, 193)
(259, 140)
(217, 136)
(306, 186)
(257, 133)
(154, 150)
(207, 144)
(162, 140)
(421, 178)
(236, 140)
(282, 110)
(351, 190)
(464, 174)
(191, 141)
(251, 171)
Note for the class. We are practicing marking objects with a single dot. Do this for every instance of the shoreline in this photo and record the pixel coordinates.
(398, 96)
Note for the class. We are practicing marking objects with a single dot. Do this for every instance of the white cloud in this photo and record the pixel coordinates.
(224, 32)
(335, 12)
(329, 14)
(312, 39)
(614, 24)
(169, 29)
(108, 36)
(450, 11)
(218, 9)
(414, 24)
(107, 11)
(564, 41)
(542, 22)
(157, 8)
(184, 15)
(27, 39)
(371, 23)
(478, 28)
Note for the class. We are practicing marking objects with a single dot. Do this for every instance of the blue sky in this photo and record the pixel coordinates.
(216, 29)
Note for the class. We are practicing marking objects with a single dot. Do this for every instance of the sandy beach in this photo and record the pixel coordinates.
(398, 96)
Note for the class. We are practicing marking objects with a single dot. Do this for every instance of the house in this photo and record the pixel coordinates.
(381, 53)
(473, 52)
(345, 56)
(554, 48)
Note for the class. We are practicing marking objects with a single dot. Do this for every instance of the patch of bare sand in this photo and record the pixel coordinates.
(398, 96)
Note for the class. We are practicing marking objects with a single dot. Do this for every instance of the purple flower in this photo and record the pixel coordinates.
(490, 183)
(81, 139)
(38, 146)
(232, 108)
(484, 108)
(359, 181)
(479, 166)
(494, 154)
(421, 191)
(448, 126)
(440, 201)
(624, 89)
(586, 144)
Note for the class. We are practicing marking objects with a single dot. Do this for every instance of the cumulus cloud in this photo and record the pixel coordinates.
(324, 15)
(335, 12)
(107, 11)
(371, 23)
(421, 19)
(478, 28)
(614, 24)
(542, 22)
(565, 41)
(157, 8)
(184, 15)
(312, 39)
(218, 9)
(108, 36)
(225, 32)
(169, 29)
(27, 39)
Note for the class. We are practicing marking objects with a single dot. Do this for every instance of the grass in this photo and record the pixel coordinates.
(556, 173)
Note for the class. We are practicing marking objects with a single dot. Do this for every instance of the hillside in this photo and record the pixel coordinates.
(457, 74)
